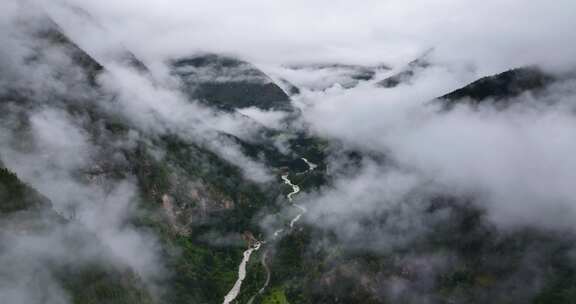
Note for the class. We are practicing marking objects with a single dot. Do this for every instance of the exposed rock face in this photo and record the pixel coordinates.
(174, 215)
(209, 200)
(229, 83)
(196, 202)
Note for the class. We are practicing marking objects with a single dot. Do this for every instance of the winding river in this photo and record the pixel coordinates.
(235, 291)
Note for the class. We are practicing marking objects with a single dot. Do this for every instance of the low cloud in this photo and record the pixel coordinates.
(53, 159)
(517, 162)
(159, 108)
(270, 119)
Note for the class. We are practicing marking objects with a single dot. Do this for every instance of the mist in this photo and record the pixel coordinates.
(515, 164)
(488, 36)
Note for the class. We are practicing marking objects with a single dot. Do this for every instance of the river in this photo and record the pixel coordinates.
(235, 291)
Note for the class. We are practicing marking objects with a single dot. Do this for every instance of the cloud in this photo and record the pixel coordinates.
(491, 35)
(56, 152)
(53, 158)
(519, 159)
(366, 113)
(159, 108)
(270, 119)
(376, 208)
(517, 162)
(515, 165)
(52, 150)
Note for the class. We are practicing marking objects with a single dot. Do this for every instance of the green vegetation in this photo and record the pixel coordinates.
(276, 296)
(212, 197)
(498, 88)
(85, 284)
(95, 285)
(202, 273)
(252, 88)
(15, 195)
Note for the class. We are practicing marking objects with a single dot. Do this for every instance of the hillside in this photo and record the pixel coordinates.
(27, 216)
(202, 178)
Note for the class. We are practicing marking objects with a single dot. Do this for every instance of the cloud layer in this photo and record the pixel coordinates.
(489, 35)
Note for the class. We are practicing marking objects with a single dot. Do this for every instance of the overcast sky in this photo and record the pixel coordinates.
(491, 34)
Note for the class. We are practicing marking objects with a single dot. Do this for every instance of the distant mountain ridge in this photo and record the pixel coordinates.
(327, 75)
(229, 83)
(500, 87)
(406, 74)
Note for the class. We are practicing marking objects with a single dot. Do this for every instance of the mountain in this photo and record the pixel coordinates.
(228, 83)
(321, 76)
(406, 74)
(186, 192)
(67, 145)
(25, 216)
(500, 88)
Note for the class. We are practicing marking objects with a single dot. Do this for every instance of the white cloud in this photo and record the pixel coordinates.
(491, 34)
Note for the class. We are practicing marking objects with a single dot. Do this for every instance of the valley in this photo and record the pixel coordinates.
(233, 293)
(174, 152)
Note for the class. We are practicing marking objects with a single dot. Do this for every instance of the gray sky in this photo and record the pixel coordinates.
(491, 34)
